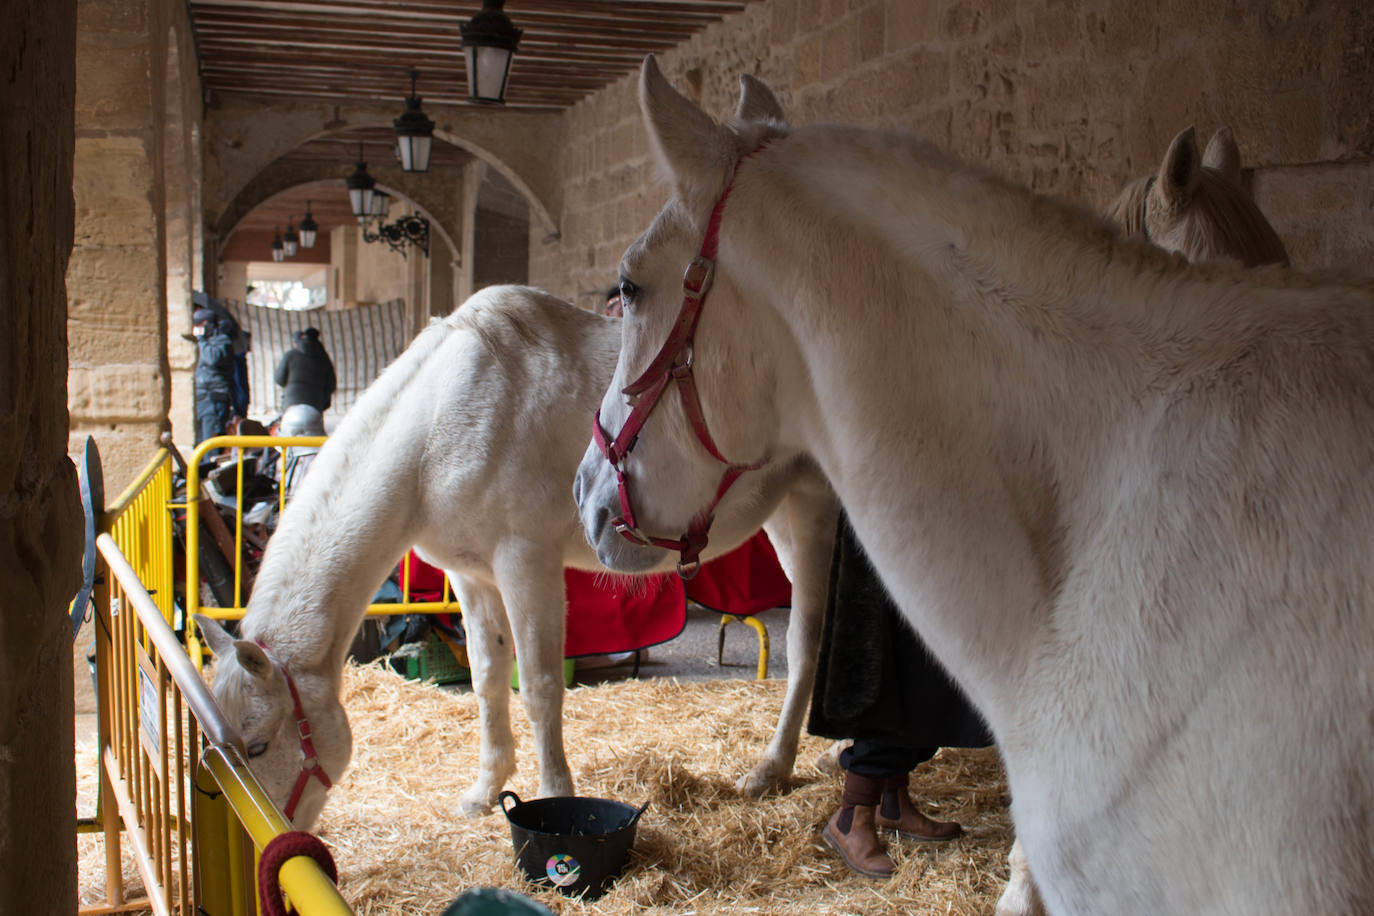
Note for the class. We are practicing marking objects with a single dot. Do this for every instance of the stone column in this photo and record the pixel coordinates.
(119, 378)
(473, 173)
(40, 518)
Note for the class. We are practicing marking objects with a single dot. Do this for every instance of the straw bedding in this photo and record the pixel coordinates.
(700, 848)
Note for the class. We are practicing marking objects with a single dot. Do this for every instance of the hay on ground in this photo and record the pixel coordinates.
(403, 848)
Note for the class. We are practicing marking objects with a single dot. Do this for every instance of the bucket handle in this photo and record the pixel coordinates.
(631, 822)
(509, 794)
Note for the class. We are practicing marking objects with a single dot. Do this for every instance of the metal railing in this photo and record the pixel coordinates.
(232, 542)
(172, 771)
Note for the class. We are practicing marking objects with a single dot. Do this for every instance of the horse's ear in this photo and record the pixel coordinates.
(253, 659)
(221, 643)
(693, 149)
(1223, 155)
(1178, 175)
(757, 102)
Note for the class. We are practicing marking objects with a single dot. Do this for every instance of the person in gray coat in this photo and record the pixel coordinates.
(306, 373)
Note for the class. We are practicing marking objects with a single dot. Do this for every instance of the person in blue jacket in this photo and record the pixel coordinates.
(214, 375)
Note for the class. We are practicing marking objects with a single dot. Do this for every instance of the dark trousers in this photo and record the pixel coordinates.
(212, 416)
(883, 758)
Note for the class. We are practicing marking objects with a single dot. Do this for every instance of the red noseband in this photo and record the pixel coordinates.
(310, 761)
(674, 363)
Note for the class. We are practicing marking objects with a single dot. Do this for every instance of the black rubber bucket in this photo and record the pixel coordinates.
(578, 845)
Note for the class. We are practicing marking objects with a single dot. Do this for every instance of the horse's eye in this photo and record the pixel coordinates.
(257, 750)
(628, 291)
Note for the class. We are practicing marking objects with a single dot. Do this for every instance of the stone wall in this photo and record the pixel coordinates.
(500, 249)
(40, 518)
(134, 262)
(1070, 98)
(381, 274)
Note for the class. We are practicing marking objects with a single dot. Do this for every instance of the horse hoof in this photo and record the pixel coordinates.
(759, 781)
(471, 807)
(829, 760)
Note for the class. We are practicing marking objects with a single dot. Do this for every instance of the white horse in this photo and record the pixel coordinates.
(1195, 206)
(1126, 501)
(465, 447)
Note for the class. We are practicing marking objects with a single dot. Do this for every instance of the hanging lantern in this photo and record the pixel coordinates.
(414, 133)
(489, 42)
(278, 246)
(360, 185)
(308, 228)
(291, 241)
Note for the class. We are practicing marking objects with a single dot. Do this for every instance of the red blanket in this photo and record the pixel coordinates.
(744, 581)
(608, 613)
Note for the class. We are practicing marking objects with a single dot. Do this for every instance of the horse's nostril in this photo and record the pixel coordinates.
(577, 489)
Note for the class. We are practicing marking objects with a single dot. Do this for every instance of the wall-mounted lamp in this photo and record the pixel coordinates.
(489, 42)
(411, 229)
(381, 205)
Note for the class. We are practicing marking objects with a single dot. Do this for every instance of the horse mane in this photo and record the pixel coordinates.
(333, 471)
(1127, 210)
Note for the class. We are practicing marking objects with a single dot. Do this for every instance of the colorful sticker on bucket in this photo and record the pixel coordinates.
(562, 869)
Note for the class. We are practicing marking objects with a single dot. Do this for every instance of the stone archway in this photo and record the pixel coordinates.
(246, 138)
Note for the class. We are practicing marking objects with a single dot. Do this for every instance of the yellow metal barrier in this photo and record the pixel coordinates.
(172, 774)
(447, 605)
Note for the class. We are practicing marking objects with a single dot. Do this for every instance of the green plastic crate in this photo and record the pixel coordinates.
(569, 668)
(434, 662)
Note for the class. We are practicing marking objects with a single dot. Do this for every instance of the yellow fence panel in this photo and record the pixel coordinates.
(172, 772)
(448, 603)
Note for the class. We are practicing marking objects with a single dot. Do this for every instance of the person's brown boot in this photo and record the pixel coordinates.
(852, 833)
(898, 813)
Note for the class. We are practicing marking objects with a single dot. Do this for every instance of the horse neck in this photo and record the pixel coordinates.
(1013, 382)
(348, 523)
(339, 537)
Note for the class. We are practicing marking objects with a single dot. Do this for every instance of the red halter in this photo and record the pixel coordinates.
(674, 363)
(310, 762)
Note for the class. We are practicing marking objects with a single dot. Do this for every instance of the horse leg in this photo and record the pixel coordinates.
(489, 654)
(530, 577)
(802, 530)
(1021, 897)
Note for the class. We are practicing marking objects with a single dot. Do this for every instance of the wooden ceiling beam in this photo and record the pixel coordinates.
(442, 9)
(361, 49)
(551, 27)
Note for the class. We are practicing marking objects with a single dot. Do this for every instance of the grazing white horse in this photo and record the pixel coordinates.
(465, 447)
(1128, 502)
(1194, 206)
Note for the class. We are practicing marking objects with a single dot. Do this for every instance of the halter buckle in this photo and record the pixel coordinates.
(697, 278)
(303, 729)
(623, 529)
